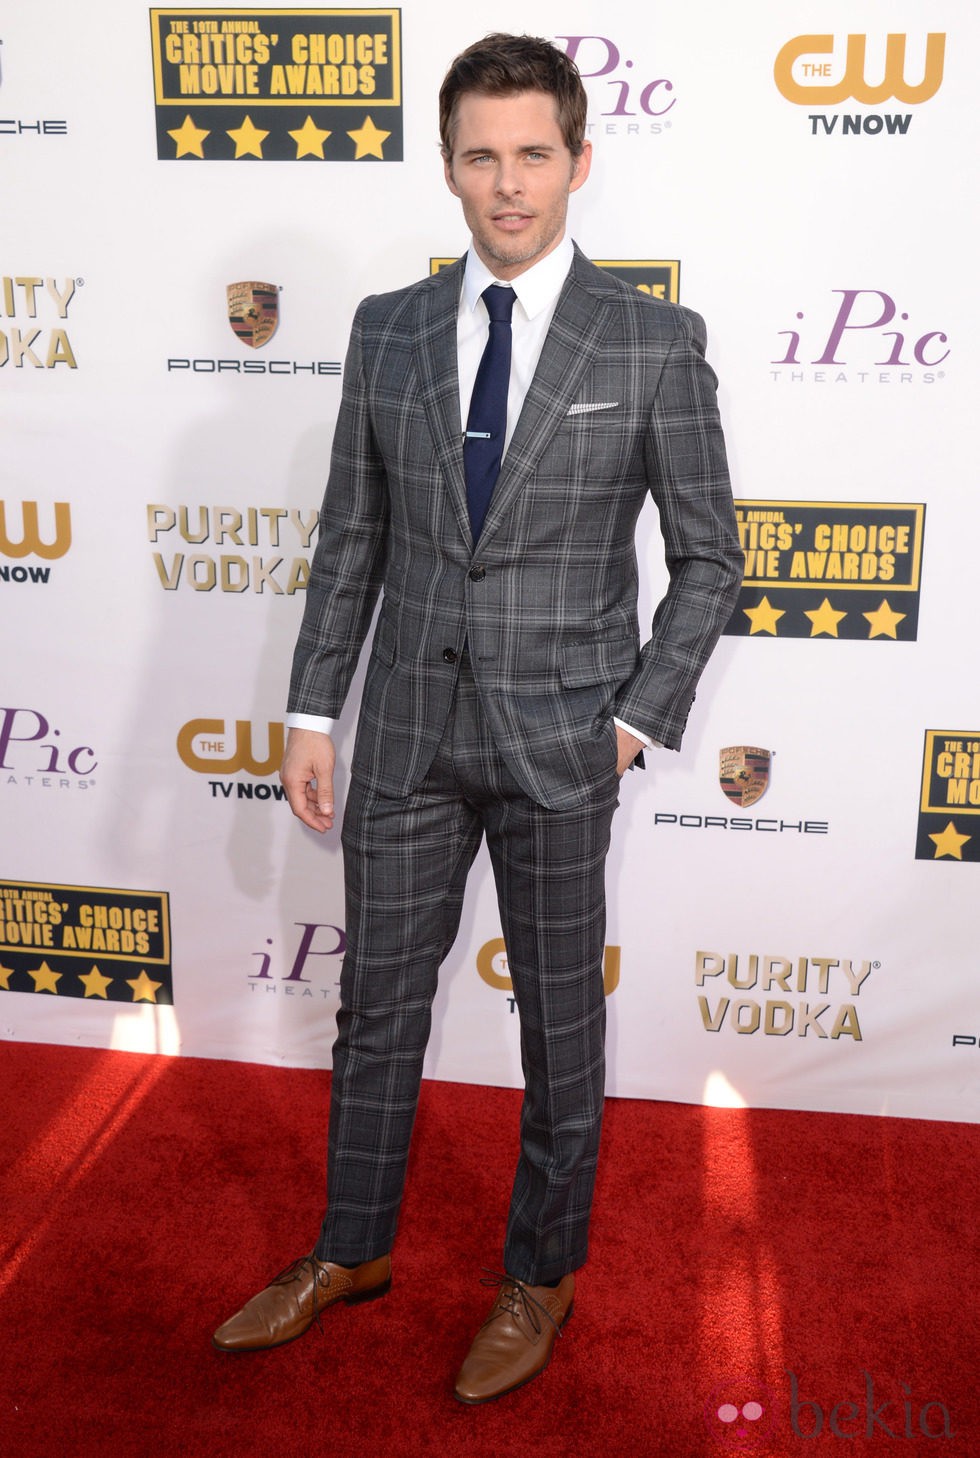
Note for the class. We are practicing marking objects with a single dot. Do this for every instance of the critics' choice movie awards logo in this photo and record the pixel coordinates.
(876, 70)
(814, 997)
(949, 807)
(278, 85)
(22, 535)
(658, 278)
(627, 98)
(253, 312)
(227, 564)
(43, 345)
(26, 126)
(848, 341)
(34, 752)
(86, 942)
(829, 569)
(207, 747)
(491, 963)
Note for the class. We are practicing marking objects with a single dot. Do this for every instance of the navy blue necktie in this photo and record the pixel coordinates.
(486, 424)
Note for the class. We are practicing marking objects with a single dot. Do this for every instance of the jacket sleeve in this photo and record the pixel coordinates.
(687, 470)
(348, 563)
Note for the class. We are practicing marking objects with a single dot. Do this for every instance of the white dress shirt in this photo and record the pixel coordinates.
(537, 291)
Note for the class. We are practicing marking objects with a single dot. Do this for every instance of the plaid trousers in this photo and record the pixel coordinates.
(406, 862)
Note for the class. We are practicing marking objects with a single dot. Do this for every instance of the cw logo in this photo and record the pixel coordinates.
(855, 84)
(201, 746)
(491, 963)
(30, 540)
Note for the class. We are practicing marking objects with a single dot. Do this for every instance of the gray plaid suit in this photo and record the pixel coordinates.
(488, 706)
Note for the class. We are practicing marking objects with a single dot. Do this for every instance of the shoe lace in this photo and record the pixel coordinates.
(514, 1299)
(297, 1271)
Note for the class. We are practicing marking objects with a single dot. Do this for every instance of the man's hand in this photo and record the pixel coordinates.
(629, 748)
(307, 777)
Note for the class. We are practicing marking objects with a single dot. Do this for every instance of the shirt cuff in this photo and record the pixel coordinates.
(636, 733)
(310, 721)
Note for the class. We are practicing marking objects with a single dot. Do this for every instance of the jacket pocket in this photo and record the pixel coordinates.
(383, 647)
(598, 660)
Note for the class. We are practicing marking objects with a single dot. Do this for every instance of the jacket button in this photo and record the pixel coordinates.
(477, 574)
(449, 655)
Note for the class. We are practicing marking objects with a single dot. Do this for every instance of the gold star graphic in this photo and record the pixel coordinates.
(94, 982)
(764, 617)
(884, 620)
(5, 975)
(248, 139)
(143, 989)
(189, 139)
(369, 140)
(949, 843)
(309, 139)
(824, 619)
(44, 979)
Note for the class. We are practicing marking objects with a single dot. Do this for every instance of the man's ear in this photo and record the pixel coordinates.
(580, 171)
(447, 165)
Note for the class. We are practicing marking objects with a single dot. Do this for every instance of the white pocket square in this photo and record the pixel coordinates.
(590, 406)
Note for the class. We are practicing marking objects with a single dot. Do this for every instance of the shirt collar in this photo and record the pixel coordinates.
(536, 288)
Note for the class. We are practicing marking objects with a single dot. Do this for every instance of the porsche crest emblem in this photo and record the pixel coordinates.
(253, 312)
(743, 773)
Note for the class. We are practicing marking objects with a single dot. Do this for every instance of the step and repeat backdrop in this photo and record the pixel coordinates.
(194, 201)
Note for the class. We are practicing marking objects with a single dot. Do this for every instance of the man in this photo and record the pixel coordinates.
(506, 691)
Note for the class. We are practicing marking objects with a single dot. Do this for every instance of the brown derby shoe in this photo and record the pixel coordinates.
(290, 1305)
(514, 1343)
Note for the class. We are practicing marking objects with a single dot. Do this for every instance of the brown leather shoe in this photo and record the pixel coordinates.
(290, 1305)
(514, 1343)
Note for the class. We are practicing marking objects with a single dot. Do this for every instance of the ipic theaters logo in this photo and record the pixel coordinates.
(788, 995)
(35, 753)
(627, 96)
(278, 85)
(949, 806)
(830, 569)
(491, 963)
(253, 313)
(30, 540)
(26, 344)
(275, 529)
(848, 342)
(27, 126)
(85, 942)
(658, 278)
(206, 747)
(286, 973)
(830, 71)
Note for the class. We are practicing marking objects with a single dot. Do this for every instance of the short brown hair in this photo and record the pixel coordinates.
(506, 65)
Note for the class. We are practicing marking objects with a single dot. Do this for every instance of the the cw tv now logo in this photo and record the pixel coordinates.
(208, 748)
(28, 539)
(822, 70)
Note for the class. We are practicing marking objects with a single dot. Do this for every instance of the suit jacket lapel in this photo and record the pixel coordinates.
(438, 373)
(576, 331)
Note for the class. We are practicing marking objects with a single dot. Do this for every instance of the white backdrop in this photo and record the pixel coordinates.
(160, 478)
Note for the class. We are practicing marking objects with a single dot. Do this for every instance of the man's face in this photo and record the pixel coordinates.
(512, 171)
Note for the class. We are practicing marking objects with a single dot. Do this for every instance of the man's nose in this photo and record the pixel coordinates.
(508, 179)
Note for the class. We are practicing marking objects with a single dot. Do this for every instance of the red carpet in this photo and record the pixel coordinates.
(823, 1268)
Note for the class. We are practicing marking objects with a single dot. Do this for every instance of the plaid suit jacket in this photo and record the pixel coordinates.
(622, 404)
